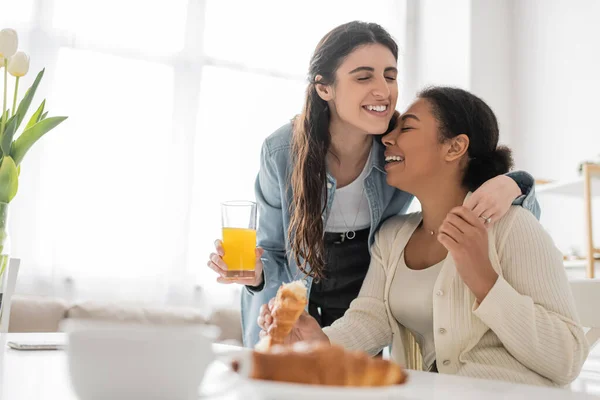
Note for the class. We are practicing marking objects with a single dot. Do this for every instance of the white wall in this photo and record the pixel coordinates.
(490, 76)
(556, 101)
(442, 43)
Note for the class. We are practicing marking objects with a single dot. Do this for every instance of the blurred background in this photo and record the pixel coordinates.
(169, 102)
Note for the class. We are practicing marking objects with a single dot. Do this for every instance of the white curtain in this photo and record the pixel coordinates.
(168, 103)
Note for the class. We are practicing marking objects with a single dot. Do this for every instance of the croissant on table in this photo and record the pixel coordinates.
(319, 364)
(287, 308)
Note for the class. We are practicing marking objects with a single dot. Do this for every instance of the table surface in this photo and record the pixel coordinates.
(44, 375)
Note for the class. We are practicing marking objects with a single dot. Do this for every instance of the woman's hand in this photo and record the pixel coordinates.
(217, 264)
(306, 328)
(492, 200)
(465, 237)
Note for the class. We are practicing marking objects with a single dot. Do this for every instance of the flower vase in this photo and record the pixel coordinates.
(4, 253)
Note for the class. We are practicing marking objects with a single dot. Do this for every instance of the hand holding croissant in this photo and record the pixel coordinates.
(306, 327)
(284, 320)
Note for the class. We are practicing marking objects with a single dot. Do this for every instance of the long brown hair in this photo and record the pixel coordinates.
(311, 141)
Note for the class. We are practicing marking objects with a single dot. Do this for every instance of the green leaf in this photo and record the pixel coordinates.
(7, 136)
(22, 145)
(35, 118)
(43, 116)
(7, 114)
(19, 170)
(26, 102)
(9, 179)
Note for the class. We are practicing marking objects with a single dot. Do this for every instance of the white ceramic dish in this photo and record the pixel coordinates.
(121, 361)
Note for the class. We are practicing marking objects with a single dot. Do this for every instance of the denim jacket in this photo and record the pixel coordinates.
(274, 194)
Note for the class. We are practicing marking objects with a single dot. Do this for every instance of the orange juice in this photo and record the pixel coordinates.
(239, 245)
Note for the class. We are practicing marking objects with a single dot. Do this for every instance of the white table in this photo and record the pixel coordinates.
(43, 375)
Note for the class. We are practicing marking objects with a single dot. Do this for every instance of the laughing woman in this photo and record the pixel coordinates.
(488, 303)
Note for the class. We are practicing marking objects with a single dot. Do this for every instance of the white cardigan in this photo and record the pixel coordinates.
(526, 330)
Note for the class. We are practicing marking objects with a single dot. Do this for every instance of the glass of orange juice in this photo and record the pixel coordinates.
(239, 237)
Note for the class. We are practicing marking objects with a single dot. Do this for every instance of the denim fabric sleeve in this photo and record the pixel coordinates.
(527, 185)
(270, 234)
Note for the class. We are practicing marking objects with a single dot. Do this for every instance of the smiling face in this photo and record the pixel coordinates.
(364, 95)
(416, 155)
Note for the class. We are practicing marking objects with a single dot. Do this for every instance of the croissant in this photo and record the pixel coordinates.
(289, 305)
(321, 365)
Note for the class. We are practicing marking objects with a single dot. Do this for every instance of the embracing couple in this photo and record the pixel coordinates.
(471, 285)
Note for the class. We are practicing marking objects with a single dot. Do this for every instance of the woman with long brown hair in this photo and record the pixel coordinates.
(321, 188)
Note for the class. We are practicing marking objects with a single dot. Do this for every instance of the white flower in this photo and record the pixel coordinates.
(18, 65)
(9, 42)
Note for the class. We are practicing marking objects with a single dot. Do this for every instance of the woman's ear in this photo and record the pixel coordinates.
(458, 147)
(324, 91)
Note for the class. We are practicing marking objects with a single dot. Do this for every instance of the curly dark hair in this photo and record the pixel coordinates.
(460, 112)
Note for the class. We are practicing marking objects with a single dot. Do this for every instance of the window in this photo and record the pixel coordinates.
(156, 27)
(168, 104)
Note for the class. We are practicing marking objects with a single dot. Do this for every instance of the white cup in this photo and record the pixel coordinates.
(134, 361)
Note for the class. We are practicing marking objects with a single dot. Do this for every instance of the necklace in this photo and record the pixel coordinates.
(351, 233)
(431, 232)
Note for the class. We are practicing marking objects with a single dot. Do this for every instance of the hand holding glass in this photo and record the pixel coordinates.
(239, 238)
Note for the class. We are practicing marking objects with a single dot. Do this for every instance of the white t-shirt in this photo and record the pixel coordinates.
(350, 209)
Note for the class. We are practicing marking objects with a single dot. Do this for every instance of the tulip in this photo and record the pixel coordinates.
(18, 66)
(9, 42)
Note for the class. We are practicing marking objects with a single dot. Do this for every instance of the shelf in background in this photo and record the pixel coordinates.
(572, 187)
(578, 263)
